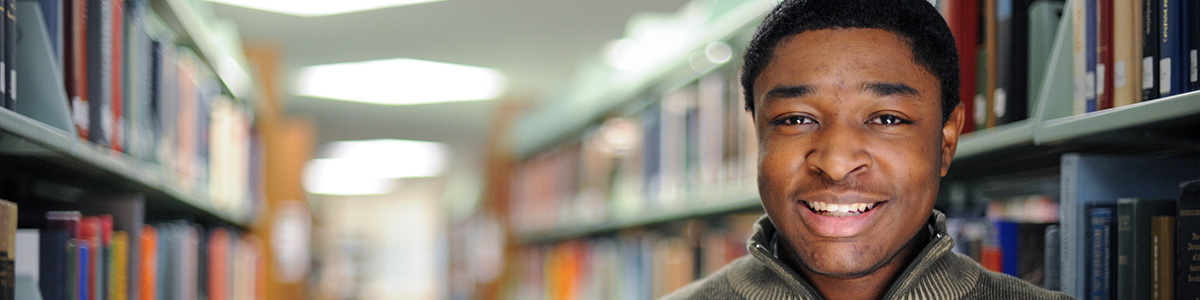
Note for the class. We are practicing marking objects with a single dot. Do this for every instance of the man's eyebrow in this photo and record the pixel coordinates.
(890, 89)
(789, 91)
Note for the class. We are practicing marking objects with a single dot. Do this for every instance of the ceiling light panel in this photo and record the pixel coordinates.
(317, 8)
(400, 81)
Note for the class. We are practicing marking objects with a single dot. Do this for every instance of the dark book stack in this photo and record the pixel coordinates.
(1187, 242)
(1133, 243)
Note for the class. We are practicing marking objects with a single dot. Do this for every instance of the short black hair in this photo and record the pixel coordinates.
(915, 21)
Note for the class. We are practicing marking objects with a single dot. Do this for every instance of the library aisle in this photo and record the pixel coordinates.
(527, 149)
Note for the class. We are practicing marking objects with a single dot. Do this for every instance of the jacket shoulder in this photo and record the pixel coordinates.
(714, 286)
(993, 285)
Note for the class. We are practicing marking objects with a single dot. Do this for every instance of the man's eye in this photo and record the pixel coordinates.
(889, 120)
(795, 120)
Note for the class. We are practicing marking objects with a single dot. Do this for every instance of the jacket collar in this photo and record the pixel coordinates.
(928, 272)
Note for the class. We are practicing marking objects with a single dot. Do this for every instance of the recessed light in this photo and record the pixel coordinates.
(400, 81)
(316, 8)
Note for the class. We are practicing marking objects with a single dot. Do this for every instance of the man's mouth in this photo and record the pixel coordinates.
(840, 210)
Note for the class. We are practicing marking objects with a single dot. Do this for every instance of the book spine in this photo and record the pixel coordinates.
(1125, 52)
(1104, 53)
(117, 78)
(1100, 219)
(1125, 249)
(99, 60)
(1091, 36)
(1193, 38)
(10, 53)
(966, 38)
(4, 62)
(75, 67)
(1079, 67)
(1151, 11)
(1162, 258)
(1053, 259)
(991, 43)
(1187, 242)
(1169, 48)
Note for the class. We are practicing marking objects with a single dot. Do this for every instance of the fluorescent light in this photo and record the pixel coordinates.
(342, 177)
(369, 167)
(315, 8)
(400, 81)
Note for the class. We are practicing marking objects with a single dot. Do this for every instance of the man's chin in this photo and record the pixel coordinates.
(842, 272)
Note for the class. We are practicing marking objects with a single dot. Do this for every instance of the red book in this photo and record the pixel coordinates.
(116, 136)
(75, 62)
(991, 258)
(218, 262)
(963, 19)
(1104, 52)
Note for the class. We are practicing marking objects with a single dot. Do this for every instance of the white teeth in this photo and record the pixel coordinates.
(840, 210)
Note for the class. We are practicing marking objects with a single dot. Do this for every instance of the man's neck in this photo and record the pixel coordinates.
(870, 286)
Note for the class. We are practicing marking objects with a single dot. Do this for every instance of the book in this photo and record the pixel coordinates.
(1151, 12)
(7, 32)
(1104, 54)
(1126, 52)
(57, 262)
(1052, 261)
(1100, 284)
(148, 265)
(991, 46)
(1170, 47)
(963, 19)
(1193, 44)
(8, 249)
(1102, 179)
(1010, 97)
(118, 271)
(75, 65)
(1091, 57)
(1187, 241)
(1079, 56)
(10, 51)
(1133, 243)
(100, 70)
(1162, 258)
(116, 20)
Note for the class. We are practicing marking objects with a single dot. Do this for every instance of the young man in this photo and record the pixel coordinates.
(857, 113)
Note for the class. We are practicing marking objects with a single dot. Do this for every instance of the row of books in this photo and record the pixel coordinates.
(631, 265)
(8, 42)
(1003, 49)
(131, 89)
(79, 256)
(1093, 236)
(668, 151)
(1131, 51)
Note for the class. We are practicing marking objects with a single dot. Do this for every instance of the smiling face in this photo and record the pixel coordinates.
(852, 146)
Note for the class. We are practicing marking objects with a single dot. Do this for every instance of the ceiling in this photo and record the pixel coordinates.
(537, 44)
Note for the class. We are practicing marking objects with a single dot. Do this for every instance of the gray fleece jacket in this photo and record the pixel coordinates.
(936, 273)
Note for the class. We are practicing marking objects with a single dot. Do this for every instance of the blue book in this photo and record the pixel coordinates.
(1192, 35)
(1089, 50)
(1008, 235)
(1170, 48)
(1100, 254)
(84, 269)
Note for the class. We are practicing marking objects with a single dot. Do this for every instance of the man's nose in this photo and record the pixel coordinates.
(839, 153)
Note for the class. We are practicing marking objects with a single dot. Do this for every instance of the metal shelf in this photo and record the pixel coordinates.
(36, 151)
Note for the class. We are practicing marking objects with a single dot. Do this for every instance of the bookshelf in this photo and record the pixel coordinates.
(50, 158)
(42, 153)
(1157, 135)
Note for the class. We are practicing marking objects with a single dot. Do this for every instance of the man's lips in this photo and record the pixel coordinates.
(836, 216)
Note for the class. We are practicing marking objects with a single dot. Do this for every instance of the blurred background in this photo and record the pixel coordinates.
(511, 149)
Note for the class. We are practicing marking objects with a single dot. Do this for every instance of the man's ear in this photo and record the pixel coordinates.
(950, 132)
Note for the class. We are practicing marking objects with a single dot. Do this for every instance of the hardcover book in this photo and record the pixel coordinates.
(1187, 242)
(1133, 243)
